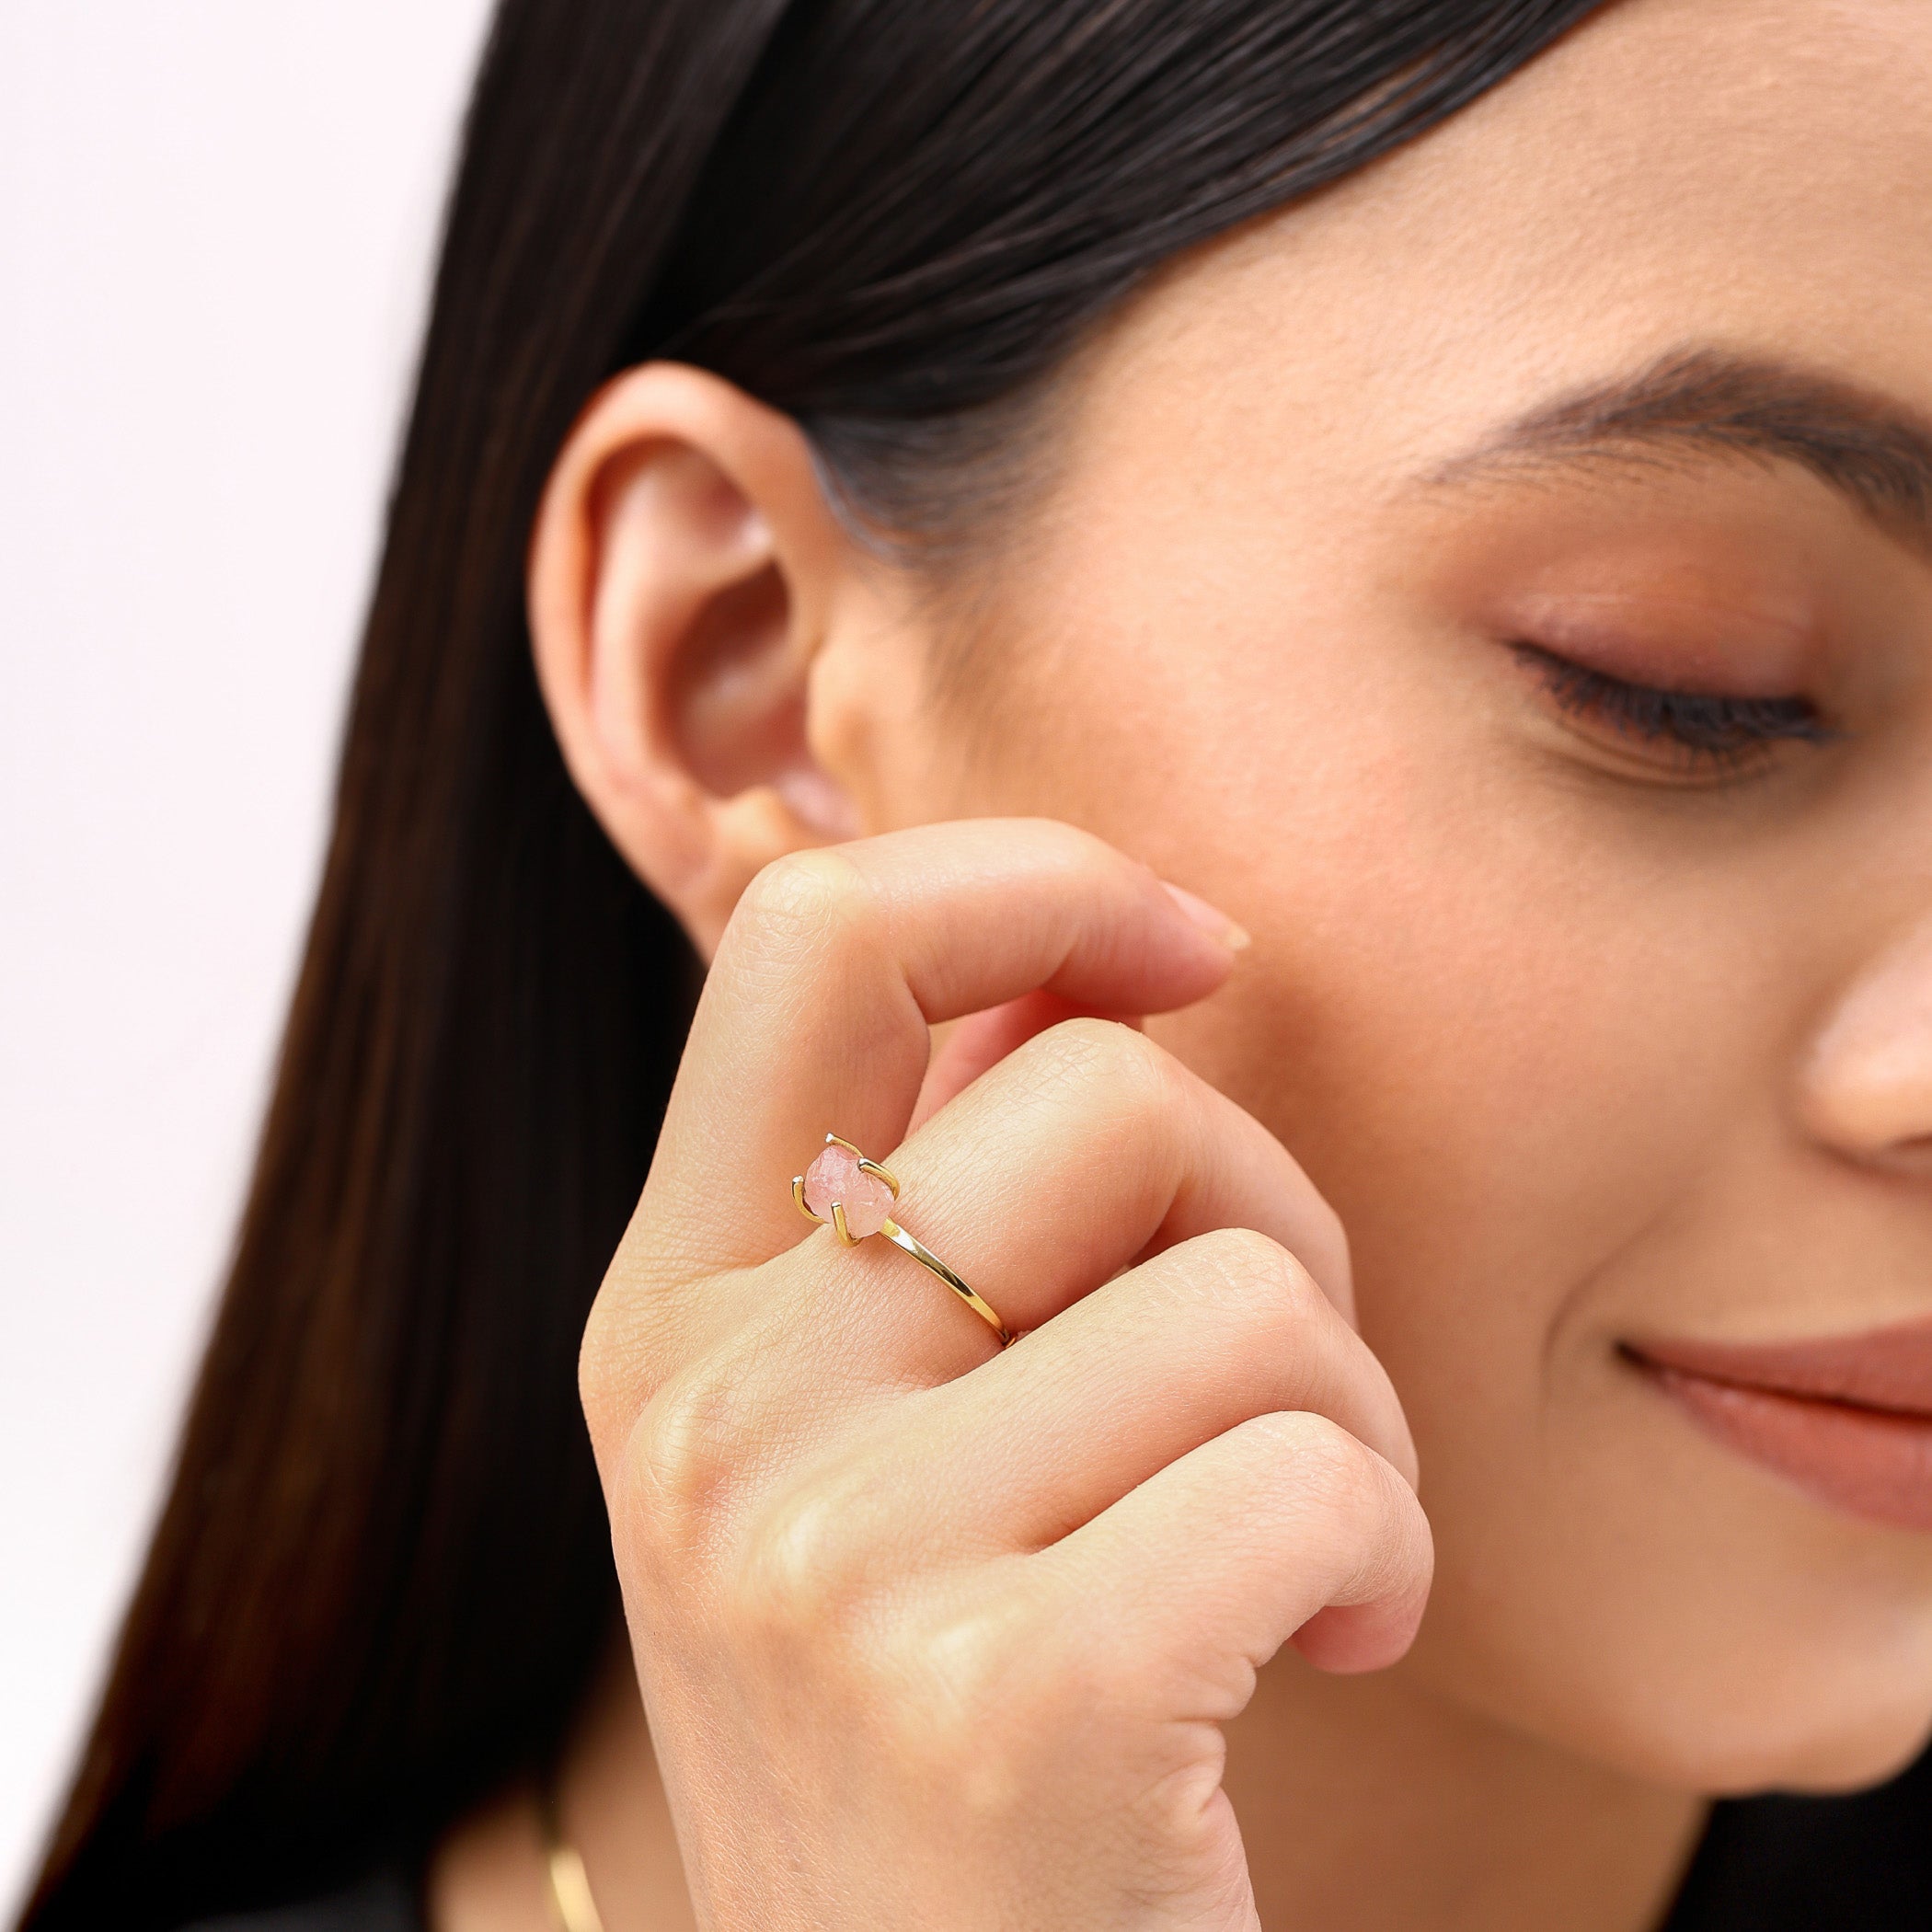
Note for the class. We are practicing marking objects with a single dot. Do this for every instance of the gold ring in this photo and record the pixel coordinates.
(857, 1195)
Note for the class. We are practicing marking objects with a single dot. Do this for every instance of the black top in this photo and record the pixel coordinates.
(1857, 1864)
(384, 1903)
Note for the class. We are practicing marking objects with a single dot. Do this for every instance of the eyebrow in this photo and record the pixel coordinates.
(1873, 450)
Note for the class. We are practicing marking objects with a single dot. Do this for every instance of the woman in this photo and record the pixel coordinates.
(1445, 485)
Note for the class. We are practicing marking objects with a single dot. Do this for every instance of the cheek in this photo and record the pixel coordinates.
(1534, 1081)
(1493, 1041)
(1497, 1056)
(1527, 1044)
(1501, 1075)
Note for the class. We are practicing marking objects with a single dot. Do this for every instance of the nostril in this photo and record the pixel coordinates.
(1906, 1157)
(1912, 1155)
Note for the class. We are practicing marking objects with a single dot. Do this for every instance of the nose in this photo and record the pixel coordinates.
(1867, 1082)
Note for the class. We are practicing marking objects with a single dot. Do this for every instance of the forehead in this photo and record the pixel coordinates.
(1751, 174)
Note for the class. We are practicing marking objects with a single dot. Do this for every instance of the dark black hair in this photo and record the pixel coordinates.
(383, 1572)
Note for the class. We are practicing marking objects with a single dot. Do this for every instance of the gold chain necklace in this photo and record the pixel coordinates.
(572, 1905)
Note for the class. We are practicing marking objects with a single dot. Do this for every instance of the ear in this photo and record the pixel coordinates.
(684, 570)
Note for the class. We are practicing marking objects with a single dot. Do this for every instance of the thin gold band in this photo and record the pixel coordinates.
(899, 1238)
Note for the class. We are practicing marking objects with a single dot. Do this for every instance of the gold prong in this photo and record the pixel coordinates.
(832, 1140)
(797, 1196)
(839, 1227)
(879, 1173)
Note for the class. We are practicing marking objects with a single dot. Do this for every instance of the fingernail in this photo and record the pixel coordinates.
(1210, 919)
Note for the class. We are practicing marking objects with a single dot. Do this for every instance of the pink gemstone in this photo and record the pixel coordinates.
(835, 1175)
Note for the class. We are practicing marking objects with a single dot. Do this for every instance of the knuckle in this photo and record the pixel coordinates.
(1259, 1283)
(1136, 1075)
(1404, 1561)
(976, 1696)
(1248, 1259)
(1358, 1508)
(686, 1463)
(799, 902)
(1330, 1467)
(801, 1576)
(937, 1695)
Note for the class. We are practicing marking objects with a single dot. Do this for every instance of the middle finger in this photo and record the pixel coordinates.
(1085, 1151)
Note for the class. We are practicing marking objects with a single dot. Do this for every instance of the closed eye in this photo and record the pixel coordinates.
(1703, 727)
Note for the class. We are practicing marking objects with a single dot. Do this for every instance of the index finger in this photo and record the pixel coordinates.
(815, 1016)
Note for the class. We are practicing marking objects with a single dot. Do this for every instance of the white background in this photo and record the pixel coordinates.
(216, 221)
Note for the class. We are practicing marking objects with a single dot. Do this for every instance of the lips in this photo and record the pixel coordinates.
(1847, 1418)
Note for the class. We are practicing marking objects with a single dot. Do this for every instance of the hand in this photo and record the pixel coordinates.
(933, 1635)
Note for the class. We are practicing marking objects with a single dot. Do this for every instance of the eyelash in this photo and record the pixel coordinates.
(1706, 725)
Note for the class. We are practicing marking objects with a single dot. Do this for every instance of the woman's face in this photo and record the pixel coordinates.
(1605, 1021)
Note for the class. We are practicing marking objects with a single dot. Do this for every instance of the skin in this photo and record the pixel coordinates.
(1579, 1038)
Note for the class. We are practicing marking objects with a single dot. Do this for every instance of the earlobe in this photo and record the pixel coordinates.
(683, 569)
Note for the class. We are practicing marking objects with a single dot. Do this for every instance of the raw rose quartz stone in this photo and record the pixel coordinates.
(835, 1175)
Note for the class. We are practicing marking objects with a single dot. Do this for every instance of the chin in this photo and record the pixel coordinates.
(1726, 1652)
(1769, 1717)
(1813, 1671)
(1820, 1735)
(1822, 1688)
(1813, 1749)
